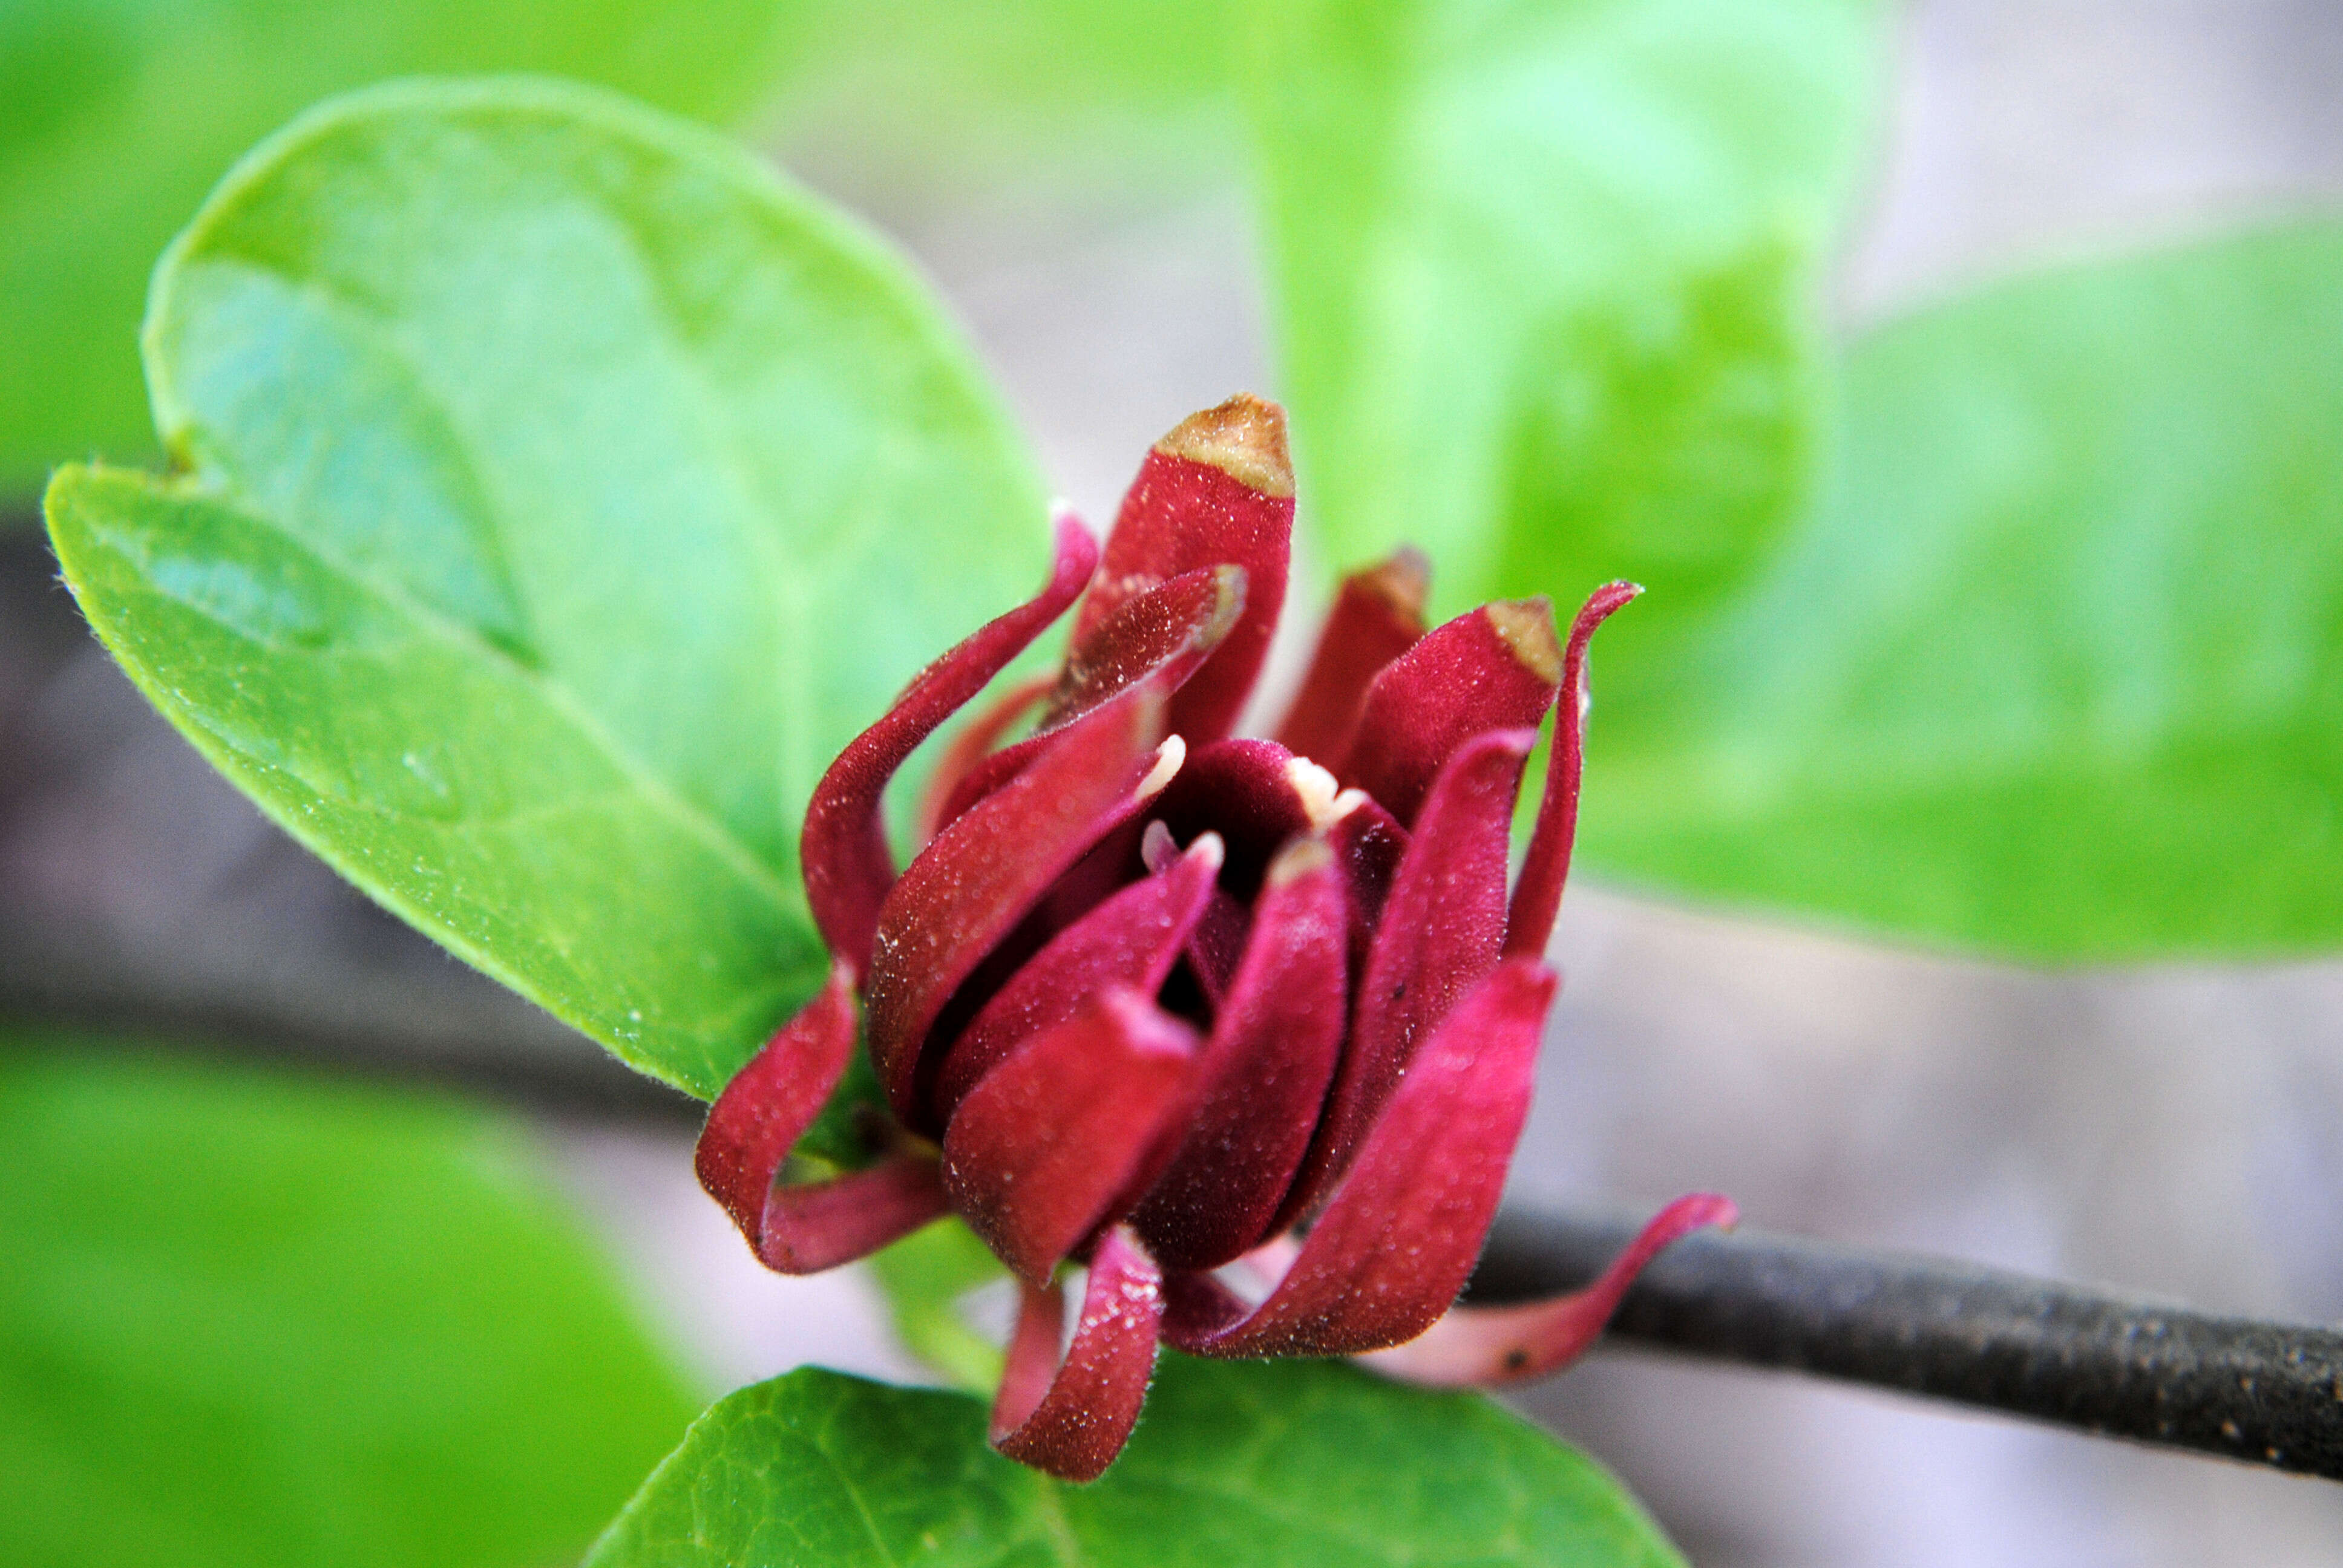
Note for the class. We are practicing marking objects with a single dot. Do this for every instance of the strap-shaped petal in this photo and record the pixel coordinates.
(843, 847)
(968, 889)
(1368, 844)
(1067, 1131)
(1071, 1418)
(765, 1108)
(1264, 1074)
(1183, 618)
(1442, 925)
(1377, 615)
(1217, 491)
(1485, 1346)
(1398, 1239)
(1159, 638)
(1132, 939)
(1496, 668)
(1537, 893)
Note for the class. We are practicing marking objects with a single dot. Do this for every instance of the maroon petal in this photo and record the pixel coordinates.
(1479, 1346)
(844, 847)
(1071, 1420)
(1443, 924)
(969, 888)
(1369, 845)
(1217, 491)
(1264, 1074)
(971, 746)
(821, 1224)
(1068, 1127)
(1377, 615)
(1395, 1243)
(1132, 939)
(1174, 626)
(1217, 945)
(762, 1112)
(1160, 638)
(1537, 895)
(1494, 668)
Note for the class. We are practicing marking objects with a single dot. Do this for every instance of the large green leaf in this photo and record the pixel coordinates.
(120, 114)
(565, 490)
(2057, 669)
(1544, 276)
(1273, 1464)
(248, 1318)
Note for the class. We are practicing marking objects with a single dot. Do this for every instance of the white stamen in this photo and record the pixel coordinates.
(1156, 850)
(1167, 758)
(1314, 786)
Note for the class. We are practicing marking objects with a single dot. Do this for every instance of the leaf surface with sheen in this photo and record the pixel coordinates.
(120, 114)
(2056, 670)
(1278, 1464)
(563, 491)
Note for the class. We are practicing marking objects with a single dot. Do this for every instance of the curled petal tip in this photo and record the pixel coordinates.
(1070, 1417)
(1244, 438)
(1493, 1345)
(1537, 893)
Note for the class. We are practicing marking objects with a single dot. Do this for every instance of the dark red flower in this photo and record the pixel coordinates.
(1164, 1002)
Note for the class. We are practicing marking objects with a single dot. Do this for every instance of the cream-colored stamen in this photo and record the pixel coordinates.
(1321, 801)
(1167, 758)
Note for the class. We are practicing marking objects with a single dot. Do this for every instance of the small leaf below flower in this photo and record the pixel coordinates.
(1296, 1462)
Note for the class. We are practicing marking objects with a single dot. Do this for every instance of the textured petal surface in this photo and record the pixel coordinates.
(1069, 1128)
(1132, 939)
(1264, 1074)
(1217, 491)
(1377, 615)
(1441, 927)
(1159, 638)
(1513, 1344)
(1398, 1239)
(969, 887)
(1173, 626)
(843, 846)
(1496, 668)
(1073, 1420)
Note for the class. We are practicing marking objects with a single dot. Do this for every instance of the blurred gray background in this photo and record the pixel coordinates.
(2172, 1130)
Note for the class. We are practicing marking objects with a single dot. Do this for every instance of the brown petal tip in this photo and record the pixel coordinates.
(1403, 580)
(1525, 626)
(1244, 438)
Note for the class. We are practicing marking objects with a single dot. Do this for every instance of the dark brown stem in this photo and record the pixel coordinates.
(2146, 1371)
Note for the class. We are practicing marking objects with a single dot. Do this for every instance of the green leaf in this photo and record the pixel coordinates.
(250, 1318)
(2057, 671)
(1544, 279)
(1263, 1464)
(122, 112)
(566, 490)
